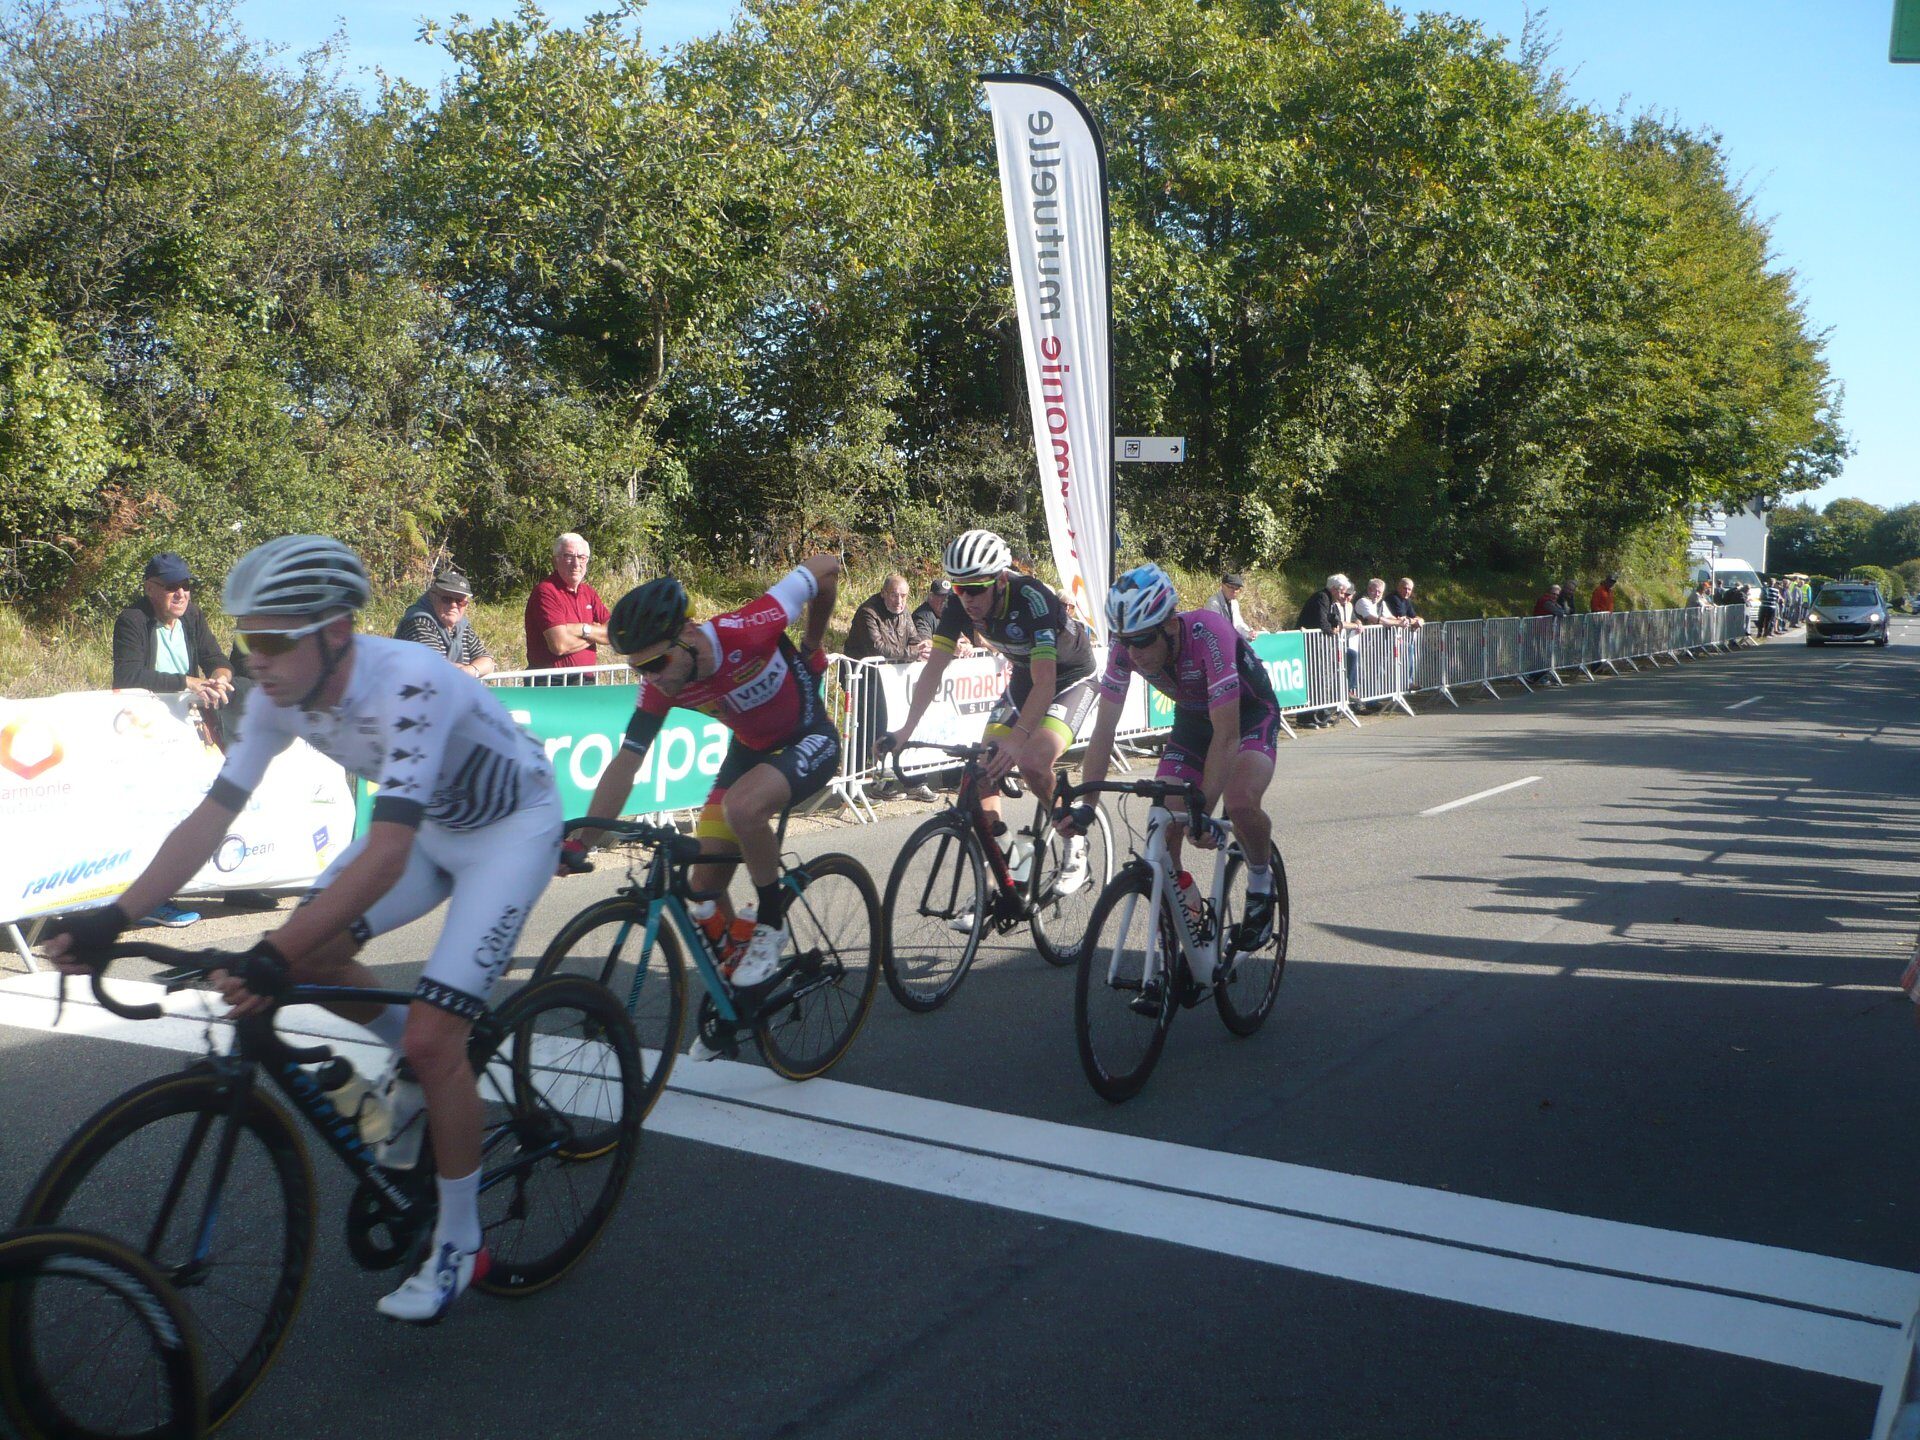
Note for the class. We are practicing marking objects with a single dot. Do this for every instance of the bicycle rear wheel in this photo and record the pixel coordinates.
(141, 1171)
(602, 943)
(95, 1344)
(935, 913)
(561, 1097)
(834, 919)
(1120, 1012)
(1063, 903)
(1245, 993)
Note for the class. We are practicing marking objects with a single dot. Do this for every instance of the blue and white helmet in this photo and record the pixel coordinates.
(1140, 600)
(296, 575)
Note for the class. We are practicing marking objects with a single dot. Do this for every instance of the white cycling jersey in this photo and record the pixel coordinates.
(451, 763)
(438, 743)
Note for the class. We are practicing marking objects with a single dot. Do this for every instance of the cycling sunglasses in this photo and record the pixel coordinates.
(276, 642)
(1140, 642)
(980, 589)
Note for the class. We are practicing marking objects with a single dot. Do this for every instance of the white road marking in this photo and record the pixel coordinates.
(1482, 795)
(1742, 704)
(1784, 1307)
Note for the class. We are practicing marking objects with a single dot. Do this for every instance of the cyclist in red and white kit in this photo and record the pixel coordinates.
(741, 669)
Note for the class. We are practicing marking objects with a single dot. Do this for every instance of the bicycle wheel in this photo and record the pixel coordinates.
(142, 1172)
(1120, 1014)
(95, 1344)
(1061, 912)
(935, 913)
(602, 943)
(812, 1017)
(561, 1099)
(1245, 993)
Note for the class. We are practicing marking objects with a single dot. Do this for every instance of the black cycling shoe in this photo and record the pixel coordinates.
(1257, 928)
(1148, 1001)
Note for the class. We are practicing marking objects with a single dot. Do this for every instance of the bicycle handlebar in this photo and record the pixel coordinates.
(970, 754)
(681, 849)
(197, 964)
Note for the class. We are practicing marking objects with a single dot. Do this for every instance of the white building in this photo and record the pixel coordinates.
(1735, 535)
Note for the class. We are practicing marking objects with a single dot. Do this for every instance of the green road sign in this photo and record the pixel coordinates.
(1906, 33)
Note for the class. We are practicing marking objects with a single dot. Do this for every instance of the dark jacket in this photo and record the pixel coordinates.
(925, 619)
(879, 634)
(133, 649)
(1321, 612)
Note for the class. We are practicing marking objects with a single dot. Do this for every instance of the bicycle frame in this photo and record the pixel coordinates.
(1202, 955)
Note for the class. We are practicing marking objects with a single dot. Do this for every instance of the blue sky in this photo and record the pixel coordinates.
(1820, 128)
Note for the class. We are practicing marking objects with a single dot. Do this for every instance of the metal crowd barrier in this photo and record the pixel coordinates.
(1380, 665)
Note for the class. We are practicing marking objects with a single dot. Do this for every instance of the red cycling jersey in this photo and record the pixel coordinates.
(759, 690)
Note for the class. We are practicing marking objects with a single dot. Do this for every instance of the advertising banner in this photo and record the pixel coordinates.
(1053, 190)
(581, 726)
(1284, 653)
(90, 784)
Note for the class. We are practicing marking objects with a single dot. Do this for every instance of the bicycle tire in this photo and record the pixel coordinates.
(656, 999)
(1119, 1044)
(920, 985)
(558, 1043)
(1255, 975)
(236, 1350)
(125, 1313)
(826, 1010)
(1060, 923)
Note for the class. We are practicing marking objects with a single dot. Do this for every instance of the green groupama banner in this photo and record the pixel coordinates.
(1284, 653)
(581, 726)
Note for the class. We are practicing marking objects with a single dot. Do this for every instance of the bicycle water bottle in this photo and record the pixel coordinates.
(1190, 897)
(1020, 861)
(353, 1097)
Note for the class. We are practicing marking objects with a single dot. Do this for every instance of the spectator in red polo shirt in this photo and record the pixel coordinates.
(566, 620)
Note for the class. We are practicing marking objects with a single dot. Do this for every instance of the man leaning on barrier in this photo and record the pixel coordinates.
(883, 629)
(439, 619)
(1323, 612)
(566, 618)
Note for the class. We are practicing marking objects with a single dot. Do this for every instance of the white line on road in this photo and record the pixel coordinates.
(1468, 800)
(1742, 704)
(1784, 1307)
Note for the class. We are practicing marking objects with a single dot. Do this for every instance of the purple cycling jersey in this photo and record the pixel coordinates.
(1212, 665)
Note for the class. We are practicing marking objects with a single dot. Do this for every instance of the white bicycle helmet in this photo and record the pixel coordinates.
(1140, 600)
(296, 575)
(975, 556)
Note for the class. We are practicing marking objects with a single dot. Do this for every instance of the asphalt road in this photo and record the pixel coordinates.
(1585, 1111)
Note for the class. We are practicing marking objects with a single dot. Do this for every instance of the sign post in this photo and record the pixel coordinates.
(1905, 46)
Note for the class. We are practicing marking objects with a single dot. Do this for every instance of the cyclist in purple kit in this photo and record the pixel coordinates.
(1226, 722)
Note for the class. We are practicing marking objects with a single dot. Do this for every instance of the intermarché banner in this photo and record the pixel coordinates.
(1053, 191)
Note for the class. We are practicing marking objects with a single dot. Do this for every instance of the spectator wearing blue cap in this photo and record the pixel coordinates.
(162, 641)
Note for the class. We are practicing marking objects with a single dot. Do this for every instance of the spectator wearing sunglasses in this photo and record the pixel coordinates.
(162, 641)
(439, 619)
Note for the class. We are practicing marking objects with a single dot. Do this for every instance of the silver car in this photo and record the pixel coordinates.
(1848, 610)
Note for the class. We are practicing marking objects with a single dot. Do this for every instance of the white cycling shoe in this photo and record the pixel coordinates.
(762, 960)
(430, 1290)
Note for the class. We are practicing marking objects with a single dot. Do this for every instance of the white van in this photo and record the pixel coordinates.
(1727, 570)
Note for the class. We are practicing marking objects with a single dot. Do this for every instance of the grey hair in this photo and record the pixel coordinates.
(1376, 581)
(570, 535)
(1338, 582)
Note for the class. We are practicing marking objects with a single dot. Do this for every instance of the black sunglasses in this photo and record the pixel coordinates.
(1140, 642)
(980, 589)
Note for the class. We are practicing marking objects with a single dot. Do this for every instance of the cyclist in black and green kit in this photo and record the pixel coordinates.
(1052, 688)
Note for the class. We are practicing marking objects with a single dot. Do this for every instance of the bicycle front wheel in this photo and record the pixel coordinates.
(1064, 894)
(561, 1096)
(1245, 993)
(95, 1344)
(146, 1171)
(602, 943)
(1124, 998)
(834, 919)
(935, 913)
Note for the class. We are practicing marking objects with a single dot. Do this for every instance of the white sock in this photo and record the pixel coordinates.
(389, 1025)
(459, 1221)
(1259, 879)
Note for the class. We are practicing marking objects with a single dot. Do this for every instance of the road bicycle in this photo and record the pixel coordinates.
(94, 1343)
(636, 943)
(1144, 947)
(203, 1172)
(953, 882)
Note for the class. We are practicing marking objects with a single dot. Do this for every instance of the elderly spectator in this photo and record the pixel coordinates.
(1569, 598)
(883, 629)
(1702, 596)
(1402, 607)
(565, 618)
(1601, 602)
(1371, 608)
(439, 618)
(926, 615)
(1549, 602)
(1226, 601)
(162, 641)
(1330, 612)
